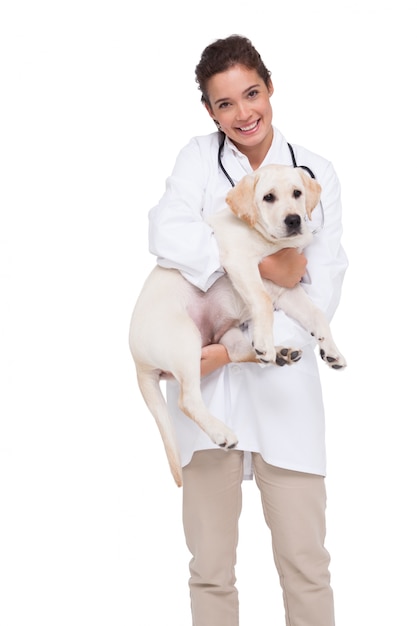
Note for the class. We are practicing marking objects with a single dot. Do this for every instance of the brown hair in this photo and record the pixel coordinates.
(223, 54)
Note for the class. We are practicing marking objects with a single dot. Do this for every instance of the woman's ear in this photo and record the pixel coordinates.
(209, 110)
(270, 88)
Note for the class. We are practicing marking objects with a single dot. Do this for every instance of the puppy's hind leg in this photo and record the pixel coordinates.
(187, 373)
(149, 385)
(191, 403)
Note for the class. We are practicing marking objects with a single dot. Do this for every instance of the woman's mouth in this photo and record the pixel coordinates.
(250, 128)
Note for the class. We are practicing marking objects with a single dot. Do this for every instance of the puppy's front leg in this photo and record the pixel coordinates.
(240, 350)
(296, 303)
(248, 283)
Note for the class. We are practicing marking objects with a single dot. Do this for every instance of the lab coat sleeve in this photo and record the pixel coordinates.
(327, 261)
(178, 234)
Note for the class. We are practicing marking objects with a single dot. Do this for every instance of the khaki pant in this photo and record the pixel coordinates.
(294, 507)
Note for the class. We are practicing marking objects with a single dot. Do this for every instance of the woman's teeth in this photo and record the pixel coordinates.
(247, 128)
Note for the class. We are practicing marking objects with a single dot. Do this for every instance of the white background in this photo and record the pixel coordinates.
(96, 100)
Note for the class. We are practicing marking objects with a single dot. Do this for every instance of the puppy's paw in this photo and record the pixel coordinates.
(287, 356)
(332, 357)
(223, 437)
(264, 354)
(329, 352)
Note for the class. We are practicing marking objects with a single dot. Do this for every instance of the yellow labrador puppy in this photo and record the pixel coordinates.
(172, 319)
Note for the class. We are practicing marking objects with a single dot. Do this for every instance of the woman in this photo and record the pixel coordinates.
(277, 413)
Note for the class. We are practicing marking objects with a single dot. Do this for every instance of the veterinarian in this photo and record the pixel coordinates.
(277, 413)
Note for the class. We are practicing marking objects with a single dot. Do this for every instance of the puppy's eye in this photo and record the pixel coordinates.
(296, 193)
(270, 197)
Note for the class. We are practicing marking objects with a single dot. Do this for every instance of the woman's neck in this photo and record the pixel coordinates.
(256, 154)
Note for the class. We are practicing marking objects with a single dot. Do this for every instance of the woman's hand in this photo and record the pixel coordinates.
(284, 268)
(212, 357)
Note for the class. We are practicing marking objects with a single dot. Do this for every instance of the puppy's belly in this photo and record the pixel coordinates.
(216, 311)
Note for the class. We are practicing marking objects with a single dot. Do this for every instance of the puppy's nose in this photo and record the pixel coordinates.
(293, 222)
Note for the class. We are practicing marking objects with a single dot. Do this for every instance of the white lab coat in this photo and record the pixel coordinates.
(275, 411)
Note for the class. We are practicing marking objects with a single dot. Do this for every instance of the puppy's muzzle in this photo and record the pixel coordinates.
(293, 224)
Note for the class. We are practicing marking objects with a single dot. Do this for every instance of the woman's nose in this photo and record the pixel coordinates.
(243, 111)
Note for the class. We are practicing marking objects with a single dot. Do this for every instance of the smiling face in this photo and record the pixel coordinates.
(239, 100)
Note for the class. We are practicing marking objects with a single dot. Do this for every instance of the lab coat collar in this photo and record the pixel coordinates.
(277, 153)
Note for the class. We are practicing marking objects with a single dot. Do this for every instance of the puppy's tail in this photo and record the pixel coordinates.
(149, 385)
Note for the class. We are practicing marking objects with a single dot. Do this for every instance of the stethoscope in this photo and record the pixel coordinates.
(294, 162)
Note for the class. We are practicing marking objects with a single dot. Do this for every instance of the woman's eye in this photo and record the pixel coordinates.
(224, 105)
(296, 193)
(253, 93)
(269, 197)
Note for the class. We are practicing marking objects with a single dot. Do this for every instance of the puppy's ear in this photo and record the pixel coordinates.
(313, 191)
(241, 200)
